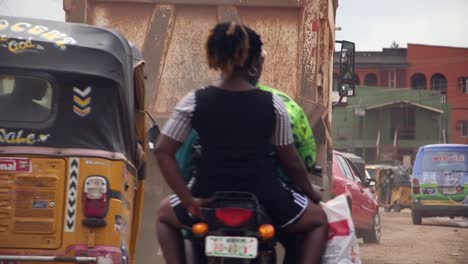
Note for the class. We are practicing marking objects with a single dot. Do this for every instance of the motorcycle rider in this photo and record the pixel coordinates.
(237, 142)
(303, 141)
(302, 134)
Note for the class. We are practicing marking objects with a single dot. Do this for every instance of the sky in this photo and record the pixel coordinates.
(374, 24)
(46, 9)
(371, 24)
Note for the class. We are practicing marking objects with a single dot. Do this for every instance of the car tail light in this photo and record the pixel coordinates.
(416, 186)
(233, 217)
(95, 198)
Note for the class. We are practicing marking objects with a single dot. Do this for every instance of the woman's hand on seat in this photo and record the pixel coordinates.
(195, 205)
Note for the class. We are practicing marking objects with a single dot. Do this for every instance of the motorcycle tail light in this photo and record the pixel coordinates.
(416, 189)
(95, 197)
(233, 217)
(200, 229)
(266, 231)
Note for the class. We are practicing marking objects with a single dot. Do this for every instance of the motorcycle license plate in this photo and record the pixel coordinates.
(231, 247)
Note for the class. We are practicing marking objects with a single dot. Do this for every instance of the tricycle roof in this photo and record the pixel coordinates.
(27, 43)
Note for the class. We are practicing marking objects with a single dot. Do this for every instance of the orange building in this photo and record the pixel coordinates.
(441, 69)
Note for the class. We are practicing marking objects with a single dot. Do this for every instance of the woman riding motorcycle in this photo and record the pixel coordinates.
(239, 126)
(302, 134)
(189, 153)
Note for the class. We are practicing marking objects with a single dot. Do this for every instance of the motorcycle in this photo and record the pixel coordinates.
(235, 230)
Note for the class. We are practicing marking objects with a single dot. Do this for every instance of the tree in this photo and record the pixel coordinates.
(394, 45)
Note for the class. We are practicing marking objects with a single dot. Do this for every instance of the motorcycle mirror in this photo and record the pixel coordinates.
(317, 170)
(153, 135)
(346, 87)
(370, 182)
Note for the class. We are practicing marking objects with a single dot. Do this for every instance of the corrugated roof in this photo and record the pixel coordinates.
(405, 102)
(367, 97)
(387, 58)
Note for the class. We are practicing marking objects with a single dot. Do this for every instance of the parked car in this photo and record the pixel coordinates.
(349, 181)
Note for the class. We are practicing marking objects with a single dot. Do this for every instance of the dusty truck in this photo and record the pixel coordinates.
(299, 37)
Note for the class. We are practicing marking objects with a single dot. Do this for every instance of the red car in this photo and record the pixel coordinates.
(364, 207)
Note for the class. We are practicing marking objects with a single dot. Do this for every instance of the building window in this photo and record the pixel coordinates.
(464, 128)
(439, 83)
(370, 79)
(392, 79)
(443, 99)
(418, 81)
(464, 85)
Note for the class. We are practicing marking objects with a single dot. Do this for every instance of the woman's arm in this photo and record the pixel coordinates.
(165, 154)
(289, 159)
(294, 168)
(174, 133)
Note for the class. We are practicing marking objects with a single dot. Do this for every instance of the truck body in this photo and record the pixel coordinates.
(299, 38)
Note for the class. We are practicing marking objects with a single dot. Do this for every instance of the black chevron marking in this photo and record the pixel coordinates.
(70, 222)
(73, 186)
(71, 213)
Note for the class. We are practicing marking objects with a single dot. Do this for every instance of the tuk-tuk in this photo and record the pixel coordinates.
(72, 143)
(400, 196)
(393, 186)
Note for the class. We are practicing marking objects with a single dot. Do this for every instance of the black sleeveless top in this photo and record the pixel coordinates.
(235, 130)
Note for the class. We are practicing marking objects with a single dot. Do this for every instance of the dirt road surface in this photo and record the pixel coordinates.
(437, 240)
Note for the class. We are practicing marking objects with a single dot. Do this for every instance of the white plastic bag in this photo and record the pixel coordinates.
(342, 245)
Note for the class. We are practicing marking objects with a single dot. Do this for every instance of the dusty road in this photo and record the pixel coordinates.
(437, 240)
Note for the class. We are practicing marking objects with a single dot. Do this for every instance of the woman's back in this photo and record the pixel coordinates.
(235, 134)
(226, 121)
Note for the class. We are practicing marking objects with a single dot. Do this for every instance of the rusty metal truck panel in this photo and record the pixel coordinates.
(298, 36)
